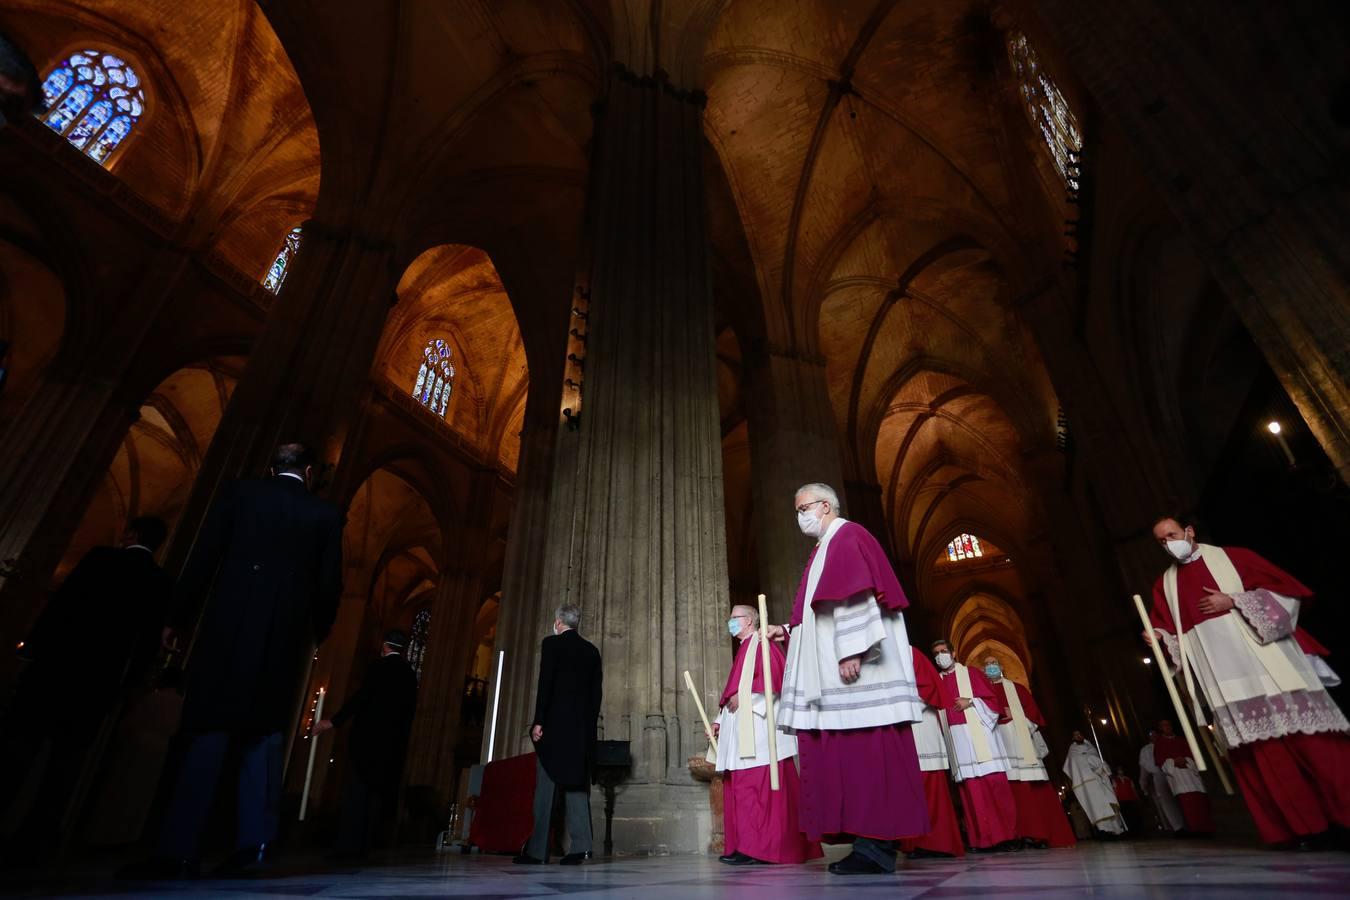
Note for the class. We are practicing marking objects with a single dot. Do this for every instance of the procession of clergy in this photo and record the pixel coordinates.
(877, 729)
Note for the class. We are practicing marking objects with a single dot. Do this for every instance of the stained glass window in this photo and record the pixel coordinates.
(435, 378)
(276, 273)
(417, 641)
(1048, 109)
(94, 99)
(965, 546)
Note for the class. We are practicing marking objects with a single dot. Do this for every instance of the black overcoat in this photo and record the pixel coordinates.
(101, 628)
(568, 707)
(269, 562)
(381, 713)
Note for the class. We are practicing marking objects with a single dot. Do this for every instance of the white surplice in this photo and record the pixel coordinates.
(1153, 782)
(814, 696)
(1091, 780)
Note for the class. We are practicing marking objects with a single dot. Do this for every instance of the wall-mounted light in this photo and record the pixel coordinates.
(1276, 429)
(1148, 660)
(1103, 721)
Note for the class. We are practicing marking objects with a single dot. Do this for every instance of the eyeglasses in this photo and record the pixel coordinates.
(805, 506)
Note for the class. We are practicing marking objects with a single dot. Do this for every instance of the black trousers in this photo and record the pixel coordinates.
(259, 811)
(364, 805)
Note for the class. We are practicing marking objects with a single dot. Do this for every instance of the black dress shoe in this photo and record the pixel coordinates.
(741, 859)
(246, 862)
(524, 859)
(728, 857)
(856, 864)
(160, 868)
(574, 859)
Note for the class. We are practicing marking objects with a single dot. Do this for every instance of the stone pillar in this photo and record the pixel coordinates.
(793, 441)
(526, 609)
(63, 441)
(1237, 123)
(306, 374)
(641, 544)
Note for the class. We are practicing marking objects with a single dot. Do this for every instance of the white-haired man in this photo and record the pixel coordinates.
(849, 692)
(567, 708)
(761, 824)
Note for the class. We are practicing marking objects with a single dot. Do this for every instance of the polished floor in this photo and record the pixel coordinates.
(1162, 869)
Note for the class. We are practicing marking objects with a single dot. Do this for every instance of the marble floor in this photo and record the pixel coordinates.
(1170, 870)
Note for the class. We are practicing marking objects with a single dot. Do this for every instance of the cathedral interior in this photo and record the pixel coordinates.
(571, 295)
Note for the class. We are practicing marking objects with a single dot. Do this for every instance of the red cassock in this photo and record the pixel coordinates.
(863, 782)
(1040, 815)
(1195, 807)
(757, 820)
(1294, 786)
(987, 800)
(944, 835)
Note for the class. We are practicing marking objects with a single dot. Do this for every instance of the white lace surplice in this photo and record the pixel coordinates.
(814, 696)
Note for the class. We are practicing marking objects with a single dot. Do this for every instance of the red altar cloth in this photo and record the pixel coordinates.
(503, 815)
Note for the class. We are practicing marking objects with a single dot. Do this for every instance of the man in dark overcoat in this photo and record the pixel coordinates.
(268, 561)
(98, 632)
(566, 711)
(381, 716)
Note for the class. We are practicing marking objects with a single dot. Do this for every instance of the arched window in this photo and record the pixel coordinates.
(276, 273)
(417, 641)
(435, 378)
(1048, 109)
(965, 546)
(95, 100)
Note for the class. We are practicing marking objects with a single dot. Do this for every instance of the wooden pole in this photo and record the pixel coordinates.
(1214, 755)
(313, 748)
(1171, 688)
(707, 726)
(766, 658)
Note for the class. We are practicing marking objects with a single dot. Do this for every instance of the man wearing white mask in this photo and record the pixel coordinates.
(761, 824)
(973, 709)
(1040, 816)
(1229, 620)
(849, 692)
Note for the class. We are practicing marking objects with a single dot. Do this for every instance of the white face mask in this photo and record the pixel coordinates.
(809, 523)
(1180, 549)
(944, 660)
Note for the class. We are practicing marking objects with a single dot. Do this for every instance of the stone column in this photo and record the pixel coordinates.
(793, 441)
(525, 612)
(1231, 109)
(63, 441)
(641, 545)
(305, 376)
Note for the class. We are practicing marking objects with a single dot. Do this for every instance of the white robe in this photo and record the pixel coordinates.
(962, 750)
(814, 696)
(729, 759)
(930, 742)
(1183, 781)
(1091, 780)
(1018, 767)
(1247, 665)
(1153, 782)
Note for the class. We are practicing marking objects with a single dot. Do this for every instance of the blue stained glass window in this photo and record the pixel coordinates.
(93, 120)
(435, 377)
(107, 142)
(59, 119)
(106, 86)
(57, 84)
(276, 273)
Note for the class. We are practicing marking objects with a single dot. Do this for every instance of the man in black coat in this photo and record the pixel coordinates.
(566, 710)
(381, 713)
(268, 561)
(98, 632)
